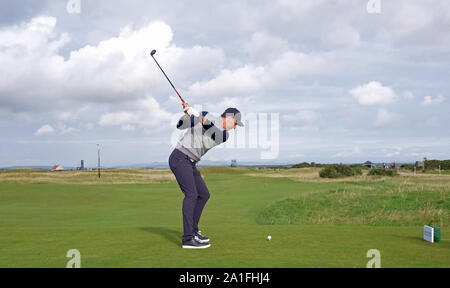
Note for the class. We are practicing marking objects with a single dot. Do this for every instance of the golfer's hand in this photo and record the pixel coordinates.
(189, 111)
(185, 107)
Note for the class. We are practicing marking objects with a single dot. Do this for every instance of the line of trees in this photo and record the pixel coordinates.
(429, 165)
(434, 164)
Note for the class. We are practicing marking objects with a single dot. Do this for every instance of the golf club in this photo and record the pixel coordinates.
(153, 53)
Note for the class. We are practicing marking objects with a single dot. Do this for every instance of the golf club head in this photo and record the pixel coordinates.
(153, 52)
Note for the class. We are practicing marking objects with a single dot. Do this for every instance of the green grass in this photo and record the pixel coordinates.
(378, 203)
(443, 172)
(139, 225)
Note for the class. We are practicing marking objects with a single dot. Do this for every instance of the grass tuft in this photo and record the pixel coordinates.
(392, 206)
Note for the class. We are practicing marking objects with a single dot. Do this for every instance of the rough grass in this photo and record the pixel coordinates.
(109, 176)
(311, 175)
(382, 172)
(339, 171)
(366, 200)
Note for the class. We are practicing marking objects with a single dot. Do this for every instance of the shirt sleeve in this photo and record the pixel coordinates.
(212, 130)
(189, 122)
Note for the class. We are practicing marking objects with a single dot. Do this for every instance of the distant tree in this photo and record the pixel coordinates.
(407, 167)
(339, 170)
(382, 172)
(302, 165)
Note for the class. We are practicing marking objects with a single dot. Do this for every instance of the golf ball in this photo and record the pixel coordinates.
(269, 237)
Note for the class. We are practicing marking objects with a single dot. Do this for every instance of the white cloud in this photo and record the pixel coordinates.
(45, 130)
(242, 81)
(408, 95)
(411, 18)
(264, 47)
(373, 93)
(64, 129)
(428, 100)
(244, 104)
(61, 129)
(341, 33)
(72, 114)
(270, 56)
(30, 64)
(144, 114)
(228, 102)
(14, 117)
(384, 118)
(119, 69)
(421, 22)
(89, 126)
(301, 118)
(354, 152)
(249, 79)
(392, 151)
(413, 23)
(397, 152)
(293, 64)
(294, 9)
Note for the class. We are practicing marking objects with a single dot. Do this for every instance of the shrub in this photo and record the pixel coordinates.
(359, 167)
(434, 164)
(357, 170)
(407, 167)
(336, 171)
(302, 165)
(382, 172)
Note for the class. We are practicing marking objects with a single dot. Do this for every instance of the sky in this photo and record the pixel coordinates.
(340, 81)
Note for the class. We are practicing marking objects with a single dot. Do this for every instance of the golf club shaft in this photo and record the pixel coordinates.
(168, 79)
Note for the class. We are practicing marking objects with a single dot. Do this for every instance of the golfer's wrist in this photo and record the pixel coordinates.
(191, 111)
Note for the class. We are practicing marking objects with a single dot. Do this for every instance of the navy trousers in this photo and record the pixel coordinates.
(196, 193)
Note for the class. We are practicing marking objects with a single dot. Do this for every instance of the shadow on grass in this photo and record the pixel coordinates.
(171, 235)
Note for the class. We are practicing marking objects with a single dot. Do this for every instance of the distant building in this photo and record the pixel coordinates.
(57, 167)
(369, 164)
(81, 166)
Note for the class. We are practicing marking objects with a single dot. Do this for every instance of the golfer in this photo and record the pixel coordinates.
(204, 131)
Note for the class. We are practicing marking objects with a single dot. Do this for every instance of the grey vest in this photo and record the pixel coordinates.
(199, 138)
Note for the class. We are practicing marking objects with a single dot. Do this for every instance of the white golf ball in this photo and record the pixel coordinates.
(269, 237)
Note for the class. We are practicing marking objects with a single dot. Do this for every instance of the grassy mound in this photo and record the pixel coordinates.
(382, 172)
(301, 165)
(361, 205)
(337, 171)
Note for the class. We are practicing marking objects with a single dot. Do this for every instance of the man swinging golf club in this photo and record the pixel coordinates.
(204, 131)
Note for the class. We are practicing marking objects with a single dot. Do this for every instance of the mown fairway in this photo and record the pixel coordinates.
(132, 218)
